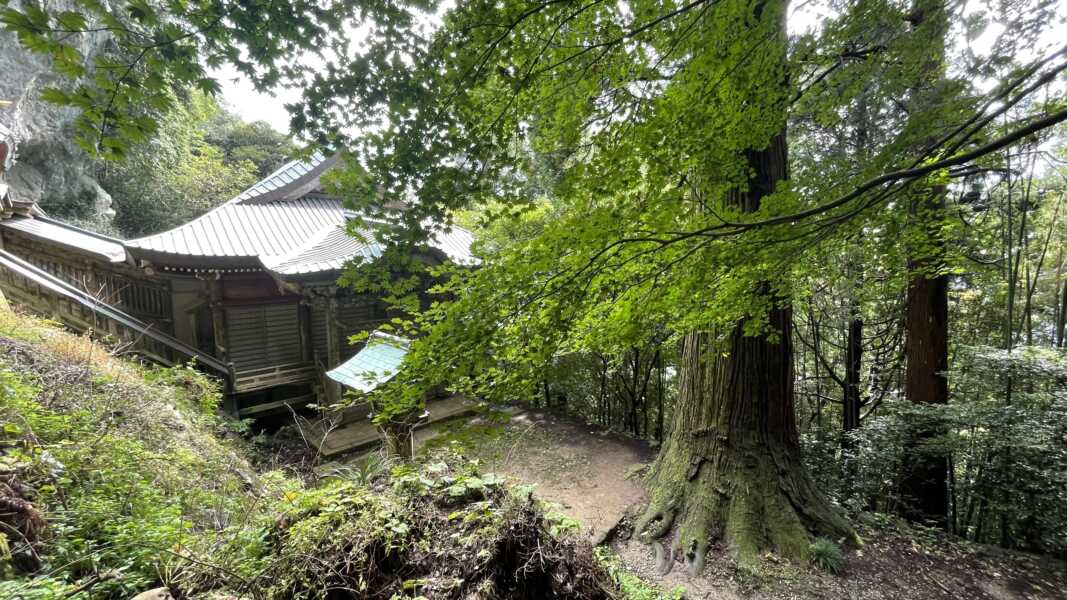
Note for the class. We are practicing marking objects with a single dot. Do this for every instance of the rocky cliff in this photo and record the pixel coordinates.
(51, 170)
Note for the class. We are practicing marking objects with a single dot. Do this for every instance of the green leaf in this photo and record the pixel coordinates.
(71, 21)
(55, 96)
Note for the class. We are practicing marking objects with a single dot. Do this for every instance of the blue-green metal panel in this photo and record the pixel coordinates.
(372, 366)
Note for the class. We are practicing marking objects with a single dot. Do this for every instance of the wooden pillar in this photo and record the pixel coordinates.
(304, 320)
(222, 352)
(218, 317)
(333, 350)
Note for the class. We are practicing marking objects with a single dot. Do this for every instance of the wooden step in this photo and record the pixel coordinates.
(362, 434)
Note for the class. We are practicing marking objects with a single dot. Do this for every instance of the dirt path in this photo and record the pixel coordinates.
(591, 475)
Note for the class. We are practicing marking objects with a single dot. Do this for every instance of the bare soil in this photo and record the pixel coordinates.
(591, 474)
(594, 478)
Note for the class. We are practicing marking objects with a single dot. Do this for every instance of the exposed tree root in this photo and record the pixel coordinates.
(748, 500)
(654, 524)
(21, 522)
(664, 558)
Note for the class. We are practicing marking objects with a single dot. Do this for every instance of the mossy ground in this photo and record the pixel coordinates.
(139, 483)
(895, 562)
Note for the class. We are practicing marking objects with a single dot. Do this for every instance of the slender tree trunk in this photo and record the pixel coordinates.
(659, 395)
(853, 400)
(1061, 320)
(1060, 304)
(634, 391)
(853, 368)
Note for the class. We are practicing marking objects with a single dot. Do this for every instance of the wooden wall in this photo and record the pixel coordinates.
(117, 284)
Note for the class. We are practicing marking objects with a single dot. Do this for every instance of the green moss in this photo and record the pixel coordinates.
(744, 497)
(630, 586)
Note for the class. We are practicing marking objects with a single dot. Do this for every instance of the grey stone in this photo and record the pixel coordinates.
(51, 169)
(160, 593)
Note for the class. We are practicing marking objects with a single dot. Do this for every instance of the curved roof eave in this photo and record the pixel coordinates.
(194, 262)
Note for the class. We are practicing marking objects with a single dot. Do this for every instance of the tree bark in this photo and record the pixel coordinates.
(1061, 318)
(730, 469)
(853, 367)
(924, 487)
(925, 484)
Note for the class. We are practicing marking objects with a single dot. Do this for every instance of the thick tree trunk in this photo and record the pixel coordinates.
(730, 469)
(924, 488)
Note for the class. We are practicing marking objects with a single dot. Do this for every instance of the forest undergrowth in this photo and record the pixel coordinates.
(116, 478)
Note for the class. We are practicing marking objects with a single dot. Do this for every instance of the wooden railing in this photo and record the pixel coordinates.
(258, 379)
(142, 335)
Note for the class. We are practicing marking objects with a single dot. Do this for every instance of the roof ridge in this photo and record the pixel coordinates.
(316, 157)
(317, 164)
(312, 241)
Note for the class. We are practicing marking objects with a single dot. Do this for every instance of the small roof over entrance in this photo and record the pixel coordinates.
(374, 365)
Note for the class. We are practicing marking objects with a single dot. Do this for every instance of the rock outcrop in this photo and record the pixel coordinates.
(51, 169)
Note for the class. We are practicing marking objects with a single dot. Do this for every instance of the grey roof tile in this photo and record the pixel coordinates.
(69, 236)
(288, 235)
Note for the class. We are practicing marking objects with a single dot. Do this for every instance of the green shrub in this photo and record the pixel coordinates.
(826, 555)
(1008, 451)
(126, 484)
(630, 586)
(122, 464)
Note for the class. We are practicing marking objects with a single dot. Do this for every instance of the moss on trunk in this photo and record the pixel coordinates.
(730, 471)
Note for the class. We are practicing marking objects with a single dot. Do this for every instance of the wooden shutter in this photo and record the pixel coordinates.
(360, 314)
(318, 335)
(263, 336)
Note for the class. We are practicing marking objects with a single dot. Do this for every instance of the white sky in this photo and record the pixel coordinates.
(251, 105)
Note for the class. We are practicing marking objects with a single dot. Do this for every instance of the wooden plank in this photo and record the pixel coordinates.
(267, 407)
(363, 434)
(247, 381)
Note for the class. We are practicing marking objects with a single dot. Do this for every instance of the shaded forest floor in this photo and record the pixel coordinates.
(594, 477)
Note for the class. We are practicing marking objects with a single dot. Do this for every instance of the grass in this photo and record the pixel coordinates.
(141, 484)
(630, 586)
(827, 556)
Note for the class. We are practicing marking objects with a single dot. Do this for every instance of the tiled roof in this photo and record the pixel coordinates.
(333, 247)
(455, 243)
(327, 252)
(256, 229)
(284, 224)
(68, 236)
(372, 366)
